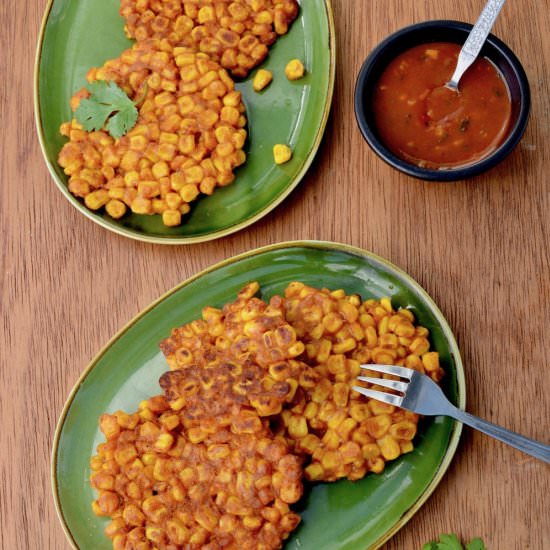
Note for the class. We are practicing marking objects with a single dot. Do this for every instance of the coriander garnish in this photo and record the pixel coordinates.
(107, 107)
(452, 542)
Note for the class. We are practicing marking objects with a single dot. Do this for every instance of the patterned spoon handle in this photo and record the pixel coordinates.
(475, 40)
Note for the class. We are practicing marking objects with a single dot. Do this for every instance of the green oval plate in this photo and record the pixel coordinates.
(342, 515)
(79, 35)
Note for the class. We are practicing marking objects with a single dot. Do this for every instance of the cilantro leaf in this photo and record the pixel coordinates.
(449, 542)
(107, 91)
(92, 115)
(476, 544)
(119, 124)
(452, 542)
(107, 107)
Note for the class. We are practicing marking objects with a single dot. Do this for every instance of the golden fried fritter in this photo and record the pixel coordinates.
(188, 139)
(236, 33)
(345, 433)
(201, 466)
(222, 389)
(240, 356)
(221, 362)
(165, 490)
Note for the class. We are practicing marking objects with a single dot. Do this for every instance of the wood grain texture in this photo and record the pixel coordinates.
(480, 248)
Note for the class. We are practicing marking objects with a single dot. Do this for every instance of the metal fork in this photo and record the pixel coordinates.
(423, 396)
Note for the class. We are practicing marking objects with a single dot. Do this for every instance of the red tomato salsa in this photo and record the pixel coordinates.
(431, 126)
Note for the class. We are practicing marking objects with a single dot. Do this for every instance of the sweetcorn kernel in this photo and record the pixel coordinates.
(281, 153)
(96, 199)
(314, 472)
(294, 69)
(430, 361)
(115, 208)
(389, 447)
(141, 205)
(189, 192)
(262, 79)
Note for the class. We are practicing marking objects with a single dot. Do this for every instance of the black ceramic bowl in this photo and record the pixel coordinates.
(441, 31)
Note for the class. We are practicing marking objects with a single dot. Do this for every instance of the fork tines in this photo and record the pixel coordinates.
(380, 396)
(394, 370)
(392, 384)
(402, 372)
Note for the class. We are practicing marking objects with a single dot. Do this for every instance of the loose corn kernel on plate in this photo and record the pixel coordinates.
(77, 36)
(339, 515)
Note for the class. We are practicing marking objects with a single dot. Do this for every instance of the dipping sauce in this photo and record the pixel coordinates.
(431, 126)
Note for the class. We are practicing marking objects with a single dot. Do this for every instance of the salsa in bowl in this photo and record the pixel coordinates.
(417, 125)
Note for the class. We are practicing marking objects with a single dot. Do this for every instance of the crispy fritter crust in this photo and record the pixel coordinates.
(225, 362)
(164, 489)
(242, 355)
(188, 139)
(255, 391)
(237, 33)
(344, 433)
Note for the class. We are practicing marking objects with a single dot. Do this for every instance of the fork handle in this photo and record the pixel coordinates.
(529, 446)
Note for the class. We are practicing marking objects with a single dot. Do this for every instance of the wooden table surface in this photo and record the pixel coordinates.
(480, 248)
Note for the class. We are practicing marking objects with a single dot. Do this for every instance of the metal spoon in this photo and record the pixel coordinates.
(475, 41)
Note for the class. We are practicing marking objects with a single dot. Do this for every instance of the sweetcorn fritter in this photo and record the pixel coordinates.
(190, 131)
(344, 433)
(188, 139)
(247, 328)
(241, 356)
(258, 397)
(236, 33)
(163, 490)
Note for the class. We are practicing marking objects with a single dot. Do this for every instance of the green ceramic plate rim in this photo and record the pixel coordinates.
(322, 245)
(214, 234)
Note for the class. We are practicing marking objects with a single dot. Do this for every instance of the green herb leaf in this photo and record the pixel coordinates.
(121, 123)
(449, 542)
(476, 544)
(452, 542)
(107, 107)
(92, 115)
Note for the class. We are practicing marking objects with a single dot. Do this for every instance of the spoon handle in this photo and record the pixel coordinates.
(476, 39)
